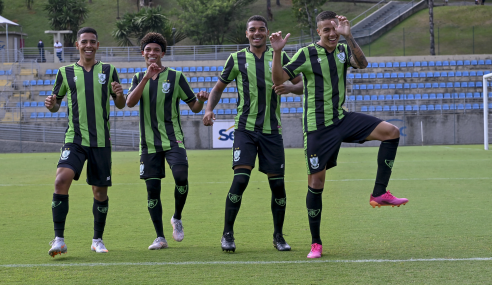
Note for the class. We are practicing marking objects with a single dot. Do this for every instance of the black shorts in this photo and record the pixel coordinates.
(269, 147)
(73, 156)
(321, 146)
(152, 164)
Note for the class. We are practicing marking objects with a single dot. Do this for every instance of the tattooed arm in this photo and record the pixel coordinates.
(357, 59)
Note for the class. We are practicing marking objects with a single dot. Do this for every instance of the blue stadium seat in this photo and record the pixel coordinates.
(473, 73)
(292, 110)
(479, 84)
(381, 64)
(40, 115)
(460, 107)
(192, 69)
(215, 78)
(431, 63)
(372, 75)
(362, 87)
(417, 64)
(213, 68)
(358, 76)
(415, 75)
(451, 74)
(350, 76)
(432, 96)
(435, 85)
(46, 82)
(415, 108)
(476, 107)
(48, 72)
(231, 89)
(409, 64)
(471, 84)
(452, 63)
(185, 112)
(400, 108)
(459, 62)
(401, 75)
(206, 68)
(386, 108)
(395, 97)
(48, 93)
(194, 79)
(469, 95)
(374, 97)
(227, 112)
(62, 115)
(391, 86)
(418, 97)
(119, 114)
(185, 69)
(462, 96)
(138, 69)
(199, 68)
(374, 64)
(372, 108)
(234, 111)
(355, 87)
(298, 99)
(54, 115)
(425, 96)
(384, 86)
(32, 82)
(134, 114)
(394, 75)
(203, 89)
(201, 79)
(438, 108)
(456, 85)
(379, 75)
(408, 75)
(127, 113)
(396, 64)
(465, 73)
(377, 86)
(299, 110)
(387, 75)
(410, 97)
(403, 64)
(379, 108)
(387, 97)
(442, 85)
(464, 84)
(290, 99)
(389, 64)
(282, 99)
(438, 63)
(131, 70)
(467, 62)
(124, 81)
(424, 63)
(444, 74)
(449, 85)
(358, 98)
(437, 74)
(422, 74)
(439, 96)
(47, 115)
(399, 86)
(430, 74)
(351, 98)
(408, 108)
(445, 107)
(284, 110)
(363, 109)
(52, 82)
(125, 91)
(42, 93)
(177, 69)
(365, 76)
(196, 90)
(428, 85)
(208, 79)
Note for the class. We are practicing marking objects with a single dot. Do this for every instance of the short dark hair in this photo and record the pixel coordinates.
(326, 15)
(153, 38)
(85, 30)
(257, 18)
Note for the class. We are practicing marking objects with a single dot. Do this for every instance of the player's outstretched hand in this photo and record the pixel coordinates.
(152, 70)
(50, 102)
(281, 89)
(343, 27)
(202, 96)
(117, 89)
(277, 42)
(208, 118)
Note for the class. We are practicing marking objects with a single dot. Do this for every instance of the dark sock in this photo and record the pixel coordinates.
(59, 209)
(314, 206)
(234, 197)
(180, 173)
(278, 202)
(100, 212)
(386, 158)
(154, 204)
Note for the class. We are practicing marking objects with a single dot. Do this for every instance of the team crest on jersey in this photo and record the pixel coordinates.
(102, 78)
(314, 162)
(319, 60)
(65, 154)
(341, 57)
(270, 65)
(165, 87)
(237, 155)
(75, 79)
(246, 65)
(141, 169)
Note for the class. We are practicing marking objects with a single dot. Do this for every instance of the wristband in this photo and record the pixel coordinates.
(200, 101)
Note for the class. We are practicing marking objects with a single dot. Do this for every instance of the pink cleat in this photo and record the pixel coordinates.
(387, 200)
(316, 251)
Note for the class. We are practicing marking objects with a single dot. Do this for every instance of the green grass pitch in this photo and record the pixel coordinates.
(447, 218)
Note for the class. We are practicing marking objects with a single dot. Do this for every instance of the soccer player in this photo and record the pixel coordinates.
(326, 125)
(258, 130)
(88, 84)
(159, 91)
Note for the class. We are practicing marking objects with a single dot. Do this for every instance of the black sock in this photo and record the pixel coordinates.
(314, 206)
(100, 212)
(386, 158)
(59, 209)
(154, 204)
(180, 173)
(278, 202)
(234, 197)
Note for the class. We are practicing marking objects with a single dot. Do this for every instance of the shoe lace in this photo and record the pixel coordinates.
(178, 225)
(279, 238)
(99, 243)
(315, 247)
(52, 242)
(229, 237)
(388, 195)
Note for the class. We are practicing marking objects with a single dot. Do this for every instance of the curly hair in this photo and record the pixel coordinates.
(153, 38)
(326, 15)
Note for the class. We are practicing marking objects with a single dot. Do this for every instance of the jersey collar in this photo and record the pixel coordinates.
(91, 67)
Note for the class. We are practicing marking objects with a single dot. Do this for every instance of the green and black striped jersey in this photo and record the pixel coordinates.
(88, 102)
(258, 106)
(324, 76)
(160, 120)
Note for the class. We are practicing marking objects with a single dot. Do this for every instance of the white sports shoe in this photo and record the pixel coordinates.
(98, 245)
(158, 243)
(58, 246)
(178, 233)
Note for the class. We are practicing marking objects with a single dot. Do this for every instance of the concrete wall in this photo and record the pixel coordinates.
(446, 129)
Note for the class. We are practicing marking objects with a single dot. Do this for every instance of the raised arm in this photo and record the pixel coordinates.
(279, 76)
(197, 105)
(119, 99)
(135, 95)
(213, 100)
(358, 59)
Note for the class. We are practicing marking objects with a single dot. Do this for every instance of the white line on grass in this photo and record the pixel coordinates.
(264, 181)
(242, 262)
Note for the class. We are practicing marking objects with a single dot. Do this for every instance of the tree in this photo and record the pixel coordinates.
(134, 26)
(29, 4)
(67, 15)
(304, 12)
(210, 21)
(431, 27)
(237, 34)
(278, 3)
(1, 7)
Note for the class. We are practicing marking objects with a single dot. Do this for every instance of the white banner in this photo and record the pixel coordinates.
(223, 133)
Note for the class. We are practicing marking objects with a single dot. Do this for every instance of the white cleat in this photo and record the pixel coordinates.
(158, 243)
(98, 246)
(178, 233)
(58, 246)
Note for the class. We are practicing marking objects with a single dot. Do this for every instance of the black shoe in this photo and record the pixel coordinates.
(227, 242)
(279, 243)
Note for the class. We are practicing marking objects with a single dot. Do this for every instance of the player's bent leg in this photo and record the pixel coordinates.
(180, 174)
(278, 205)
(314, 207)
(389, 135)
(100, 208)
(233, 203)
(59, 209)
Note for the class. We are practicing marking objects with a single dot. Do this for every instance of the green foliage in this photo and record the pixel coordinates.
(304, 10)
(29, 4)
(237, 34)
(67, 15)
(210, 21)
(1, 7)
(134, 26)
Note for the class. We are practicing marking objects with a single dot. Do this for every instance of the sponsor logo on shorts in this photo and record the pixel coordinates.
(314, 161)
(313, 212)
(141, 168)
(282, 165)
(108, 178)
(65, 154)
(237, 155)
